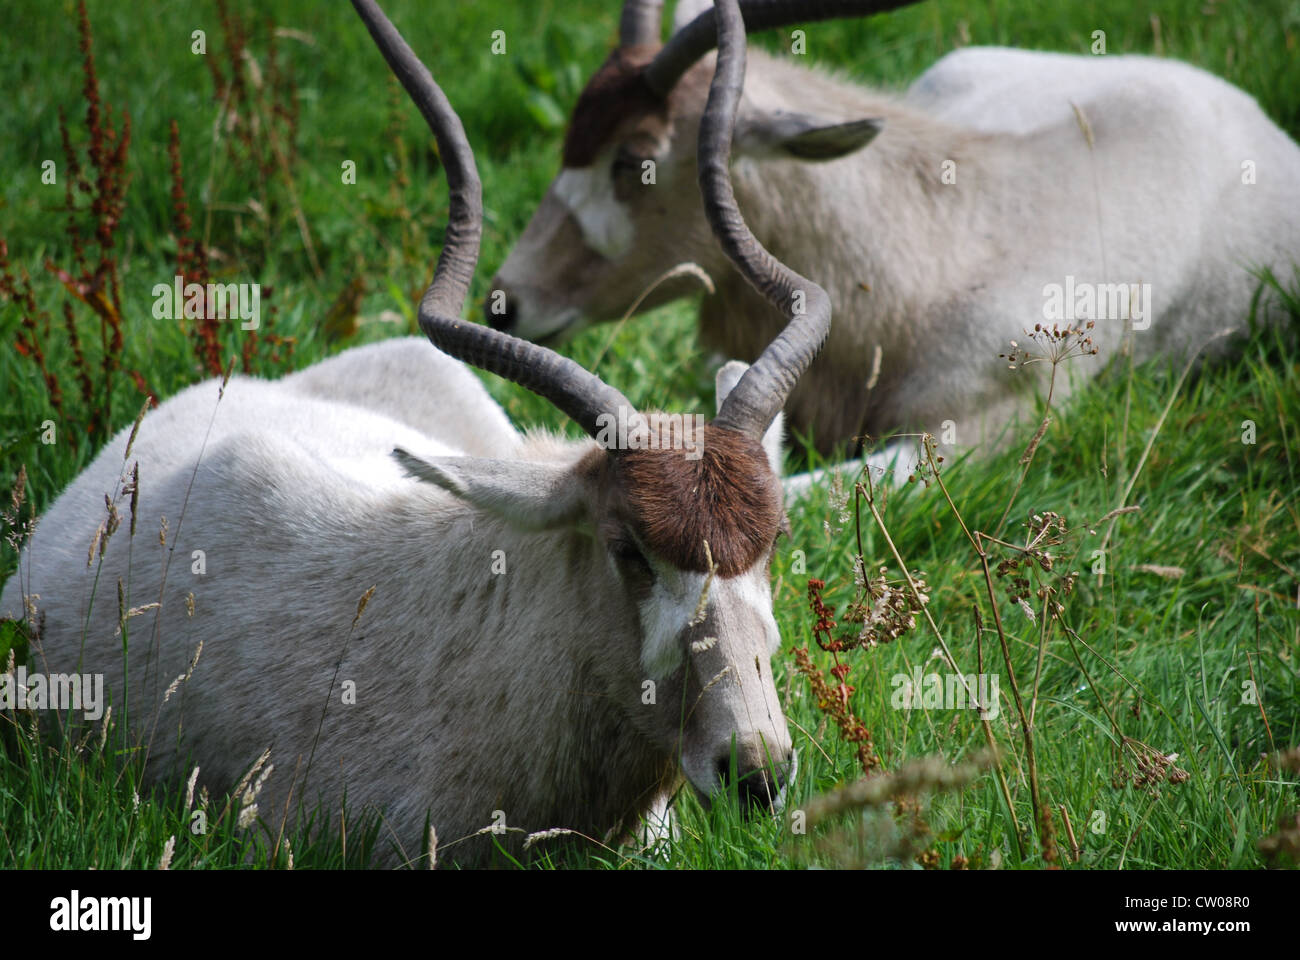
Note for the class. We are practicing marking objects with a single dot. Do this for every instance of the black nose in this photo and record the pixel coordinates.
(756, 786)
(500, 310)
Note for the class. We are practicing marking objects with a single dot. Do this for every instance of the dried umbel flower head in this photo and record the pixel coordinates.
(1044, 531)
(926, 470)
(885, 608)
(1054, 344)
(1151, 768)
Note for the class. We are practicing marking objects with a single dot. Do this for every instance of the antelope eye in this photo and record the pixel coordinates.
(626, 163)
(782, 531)
(629, 556)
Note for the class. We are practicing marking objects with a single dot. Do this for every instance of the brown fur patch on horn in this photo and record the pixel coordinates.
(729, 497)
(615, 94)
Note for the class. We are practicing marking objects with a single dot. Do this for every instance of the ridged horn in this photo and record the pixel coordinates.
(640, 23)
(580, 394)
(698, 37)
(762, 391)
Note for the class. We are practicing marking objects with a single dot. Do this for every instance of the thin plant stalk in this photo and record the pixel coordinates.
(1003, 786)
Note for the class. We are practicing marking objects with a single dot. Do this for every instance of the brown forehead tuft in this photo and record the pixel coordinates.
(729, 496)
(616, 93)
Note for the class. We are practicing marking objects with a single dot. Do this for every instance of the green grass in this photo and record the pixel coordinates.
(1165, 656)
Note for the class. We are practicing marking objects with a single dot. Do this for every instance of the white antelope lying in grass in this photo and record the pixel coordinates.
(1004, 188)
(557, 631)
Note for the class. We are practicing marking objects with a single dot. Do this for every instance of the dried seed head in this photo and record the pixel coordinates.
(361, 604)
(165, 862)
(534, 838)
(95, 545)
(19, 492)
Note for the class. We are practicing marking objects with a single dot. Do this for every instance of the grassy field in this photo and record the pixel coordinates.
(1188, 644)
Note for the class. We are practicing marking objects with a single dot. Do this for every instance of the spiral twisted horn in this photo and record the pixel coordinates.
(582, 395)
(762, 391)
(700, 36)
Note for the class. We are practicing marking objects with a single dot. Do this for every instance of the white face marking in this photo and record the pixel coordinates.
(744, 709)
(674, 599)
(589, 194)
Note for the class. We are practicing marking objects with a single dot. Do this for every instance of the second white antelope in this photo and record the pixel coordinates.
(558, 630)
(1004, 188)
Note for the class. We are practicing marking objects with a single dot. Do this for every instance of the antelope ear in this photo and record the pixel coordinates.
(527, 495)
(802, 136)
(773, 439)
